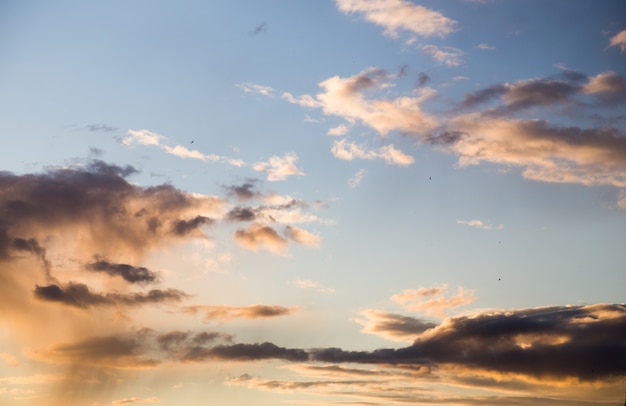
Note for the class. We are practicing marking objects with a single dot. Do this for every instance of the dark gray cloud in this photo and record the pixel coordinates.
(482, 96)
(422, 79)
(241, 214)
(247, 352)
(583, 342)
(257, 311)
(243, 192)
(79, 295)
(184, 227)
(129, 273)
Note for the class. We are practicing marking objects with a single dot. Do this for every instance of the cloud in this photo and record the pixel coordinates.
(485, 47)
(304, 100)
(357, 178)
(146, 137)
(547, 153)
(95, 209)
(422, 79)
(348, 98)
(301, 236)
(243, 312)
(585, 343)
(343, 149)
(433, 301)
(259, 29)
(309, 284)
(128, 401)
(254, 88)
(391, 326)
(79, 295)
(610, 87)
(396, 15)
(445, 55)
(9, 359)
(261, 236)
(278, 168)
(127, 272)
(341, 129)
(243, 192)
(619, 40)
(100, 127)
(480, 224)
(113, 351)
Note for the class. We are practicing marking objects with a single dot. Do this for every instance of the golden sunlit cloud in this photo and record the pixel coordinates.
(233, 312)
(432, 301)
(278, 168)
(396, 15)
(619, 40)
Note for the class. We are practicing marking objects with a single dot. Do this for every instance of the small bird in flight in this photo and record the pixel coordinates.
(192, 142)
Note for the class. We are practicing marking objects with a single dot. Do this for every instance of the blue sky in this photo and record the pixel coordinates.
(333, 202)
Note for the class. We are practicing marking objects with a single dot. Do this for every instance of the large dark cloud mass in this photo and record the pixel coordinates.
(583, 342)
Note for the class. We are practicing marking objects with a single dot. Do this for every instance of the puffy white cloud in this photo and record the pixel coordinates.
(278, 168)
(396, 15)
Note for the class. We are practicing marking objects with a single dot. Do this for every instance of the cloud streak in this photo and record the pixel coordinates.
(149, 138)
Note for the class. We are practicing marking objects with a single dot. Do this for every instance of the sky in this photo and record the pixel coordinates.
(332, 202)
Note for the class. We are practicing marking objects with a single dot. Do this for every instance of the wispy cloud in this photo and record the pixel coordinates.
(619, 40)
(480, 224)
(309, 284)
(343, 149)
(433, 301)
(146, 137)
(128, 401)
(256, 88)
(448, 56)
(357, 178)
(485, 47)
(242, 312)
(400, 15)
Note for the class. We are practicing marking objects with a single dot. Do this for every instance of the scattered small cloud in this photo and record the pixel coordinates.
(278, 168)
(357, 178)
(341, 129)
(260, 29)
(448, 56)
(619, 40)
(146, 137)
(433, 301)
(422, 79)
(348, 151)
(485, 47)
(480, 224)
(309, 284)
(255, 88)
(257, 311)
(100, 128)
